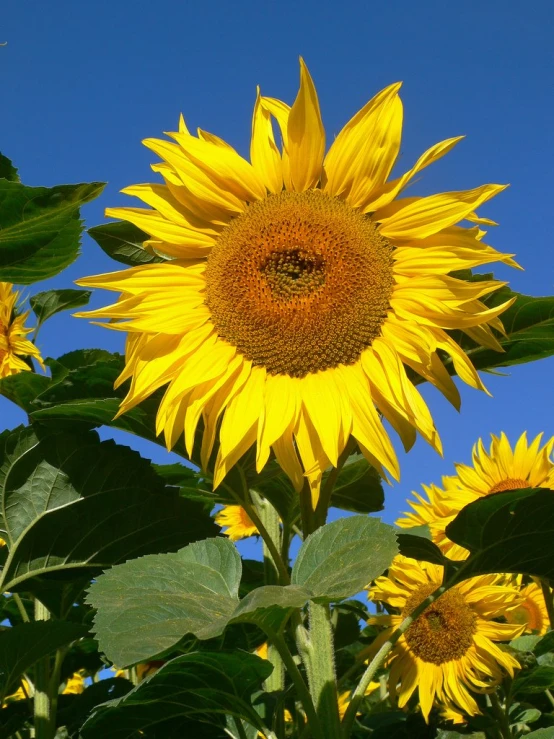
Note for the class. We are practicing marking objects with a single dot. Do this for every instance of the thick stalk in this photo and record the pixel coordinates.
(548, 601)
(44, 716)
(501, 718)
(324, 501)
(380, 657)
(270, 519)
(320, 666)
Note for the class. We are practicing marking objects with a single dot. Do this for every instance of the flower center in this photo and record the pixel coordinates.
(444, 631)
(510, 483)
(300, 282)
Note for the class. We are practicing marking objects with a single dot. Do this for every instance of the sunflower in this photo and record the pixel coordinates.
(501, 468)
(531, 612)
(13, 344)
(297, 288)
(238, 522)
(449, 650)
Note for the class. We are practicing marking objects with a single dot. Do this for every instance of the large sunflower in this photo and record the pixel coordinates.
(501, 468)
(449, 651)
(13, 342)
(298, 288)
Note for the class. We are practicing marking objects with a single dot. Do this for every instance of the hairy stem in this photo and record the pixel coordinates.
(380, 657)
(320, 666)
(45, 719)
(501, 717)
(270, 519)
(548, 601)
(324, 501)
(21, 608)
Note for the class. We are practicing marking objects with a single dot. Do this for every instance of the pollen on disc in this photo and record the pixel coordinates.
(299, 282)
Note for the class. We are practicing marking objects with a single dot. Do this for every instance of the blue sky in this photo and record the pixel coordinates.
(83, 83)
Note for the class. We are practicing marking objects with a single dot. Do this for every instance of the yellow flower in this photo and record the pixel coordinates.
(345, 696)
(238, 522)
(299, 286)
(531, 612)
(449, 650)
(13, 344)
(75, 684)
(22, 693)
(501, 468)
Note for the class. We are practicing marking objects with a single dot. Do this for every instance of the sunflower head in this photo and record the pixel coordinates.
(236, 521)
(449, 651)
(532, 611)
(13, 342)
(298, 287)
(527, 465)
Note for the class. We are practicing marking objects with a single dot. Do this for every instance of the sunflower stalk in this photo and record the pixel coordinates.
(270, 519)
(45, 719)
(379, 658)
(503, 723)
(548, 601)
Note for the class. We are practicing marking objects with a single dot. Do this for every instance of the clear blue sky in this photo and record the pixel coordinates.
(83, 83)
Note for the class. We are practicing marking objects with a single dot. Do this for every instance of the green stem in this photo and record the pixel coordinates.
(548, 602)
(44, 716)
(377, 661)
(21, 608)
(298, 682)
(240, 728)
(501, 718)
(320, 666)
(245, 502)
(324, 501)
(270, 519)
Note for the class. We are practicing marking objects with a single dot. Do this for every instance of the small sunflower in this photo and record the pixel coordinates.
(531, 612)
(238, 522)
(501, 468)
(449, 651)
(13, 344)
(298, 287)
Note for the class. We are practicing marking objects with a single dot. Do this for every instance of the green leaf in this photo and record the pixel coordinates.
(82, 390)
(534, 681)
(72, 503)
(526, 716)
(203, 686)
(270, 605)
(511, 531)
(21, 646)
(359, 487)
(41, 230)
(74, 709)
(7, 170)
(529, 326)
(544, 644)
(341, 558)
(47, 304)
(525, 643)
(420, 548)
(23, 388)
(547, 733)
(124, 242)
(145, 606)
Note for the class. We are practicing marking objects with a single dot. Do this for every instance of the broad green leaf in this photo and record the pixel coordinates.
(341, 558)
(47, 304)
(124, 242)
(420, 548)
(358, 487)
(145, 606)
(23, 388)
(544, 644)
(21, 646)
(82, 390)
(7, 170)
(511, 531)
(74, 709)
(203, 686)
(54, 484)
(547, 733)
(40, 229)
(525, 716)
(270, 605)
(534, 681)
(525, 643)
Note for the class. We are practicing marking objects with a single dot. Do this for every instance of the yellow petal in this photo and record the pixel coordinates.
(390, 190)
(279, 413)
(306, 135)
(157, 225)
(161, 198)
(357, 147)
(319, 398)
(264, 155)
(421, 217)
